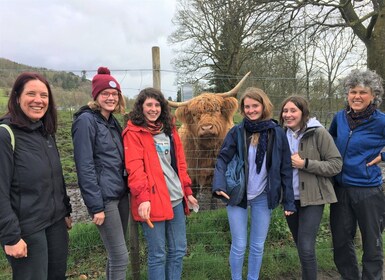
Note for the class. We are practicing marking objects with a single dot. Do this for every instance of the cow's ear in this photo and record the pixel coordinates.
(229, 106)
(180, 114)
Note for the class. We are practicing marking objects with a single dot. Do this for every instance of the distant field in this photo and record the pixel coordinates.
(3, 99)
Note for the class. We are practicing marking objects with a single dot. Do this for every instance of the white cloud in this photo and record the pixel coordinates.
(79, 35)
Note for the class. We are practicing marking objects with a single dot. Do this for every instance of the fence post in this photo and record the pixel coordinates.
(133, 226)
(134, 247)
(156, 67)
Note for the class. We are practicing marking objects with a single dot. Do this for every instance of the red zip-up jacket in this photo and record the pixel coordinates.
(145, 175)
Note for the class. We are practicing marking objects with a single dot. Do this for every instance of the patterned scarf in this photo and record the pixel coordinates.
(154, 127)
(260, 127)
(356, 118)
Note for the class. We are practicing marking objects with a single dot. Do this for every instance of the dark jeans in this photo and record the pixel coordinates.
(365, 206)
(304, 225)
(47, 255)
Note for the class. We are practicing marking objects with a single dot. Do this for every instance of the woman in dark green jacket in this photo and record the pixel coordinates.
(315, 159)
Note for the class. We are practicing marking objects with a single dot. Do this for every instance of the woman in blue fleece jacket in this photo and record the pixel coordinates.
(359, 134)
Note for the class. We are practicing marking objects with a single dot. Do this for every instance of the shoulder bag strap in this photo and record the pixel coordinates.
(240, 144)
(8, 128)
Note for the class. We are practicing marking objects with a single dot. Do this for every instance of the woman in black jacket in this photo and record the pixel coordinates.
(35, 209)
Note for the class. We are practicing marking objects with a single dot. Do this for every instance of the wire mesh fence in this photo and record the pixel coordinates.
(208, 232)
(207, 248)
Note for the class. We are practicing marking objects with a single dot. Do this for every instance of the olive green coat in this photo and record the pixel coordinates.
(323, 162)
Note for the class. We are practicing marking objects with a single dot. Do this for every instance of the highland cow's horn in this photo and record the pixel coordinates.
(175, 104)
(232, 92)
(235, 90)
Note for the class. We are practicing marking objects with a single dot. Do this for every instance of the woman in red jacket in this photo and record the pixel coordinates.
(159, 184)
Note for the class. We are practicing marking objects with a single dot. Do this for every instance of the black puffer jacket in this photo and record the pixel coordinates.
(32, 189)
(98, 152)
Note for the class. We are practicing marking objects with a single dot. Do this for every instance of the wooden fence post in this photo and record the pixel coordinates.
(133, 225)
(134, 248)
(156, 68)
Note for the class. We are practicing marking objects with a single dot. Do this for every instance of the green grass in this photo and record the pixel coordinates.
(207, 233)
(3, 101)
(208, 249)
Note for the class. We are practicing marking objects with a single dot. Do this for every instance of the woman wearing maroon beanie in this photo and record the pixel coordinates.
(98, 152)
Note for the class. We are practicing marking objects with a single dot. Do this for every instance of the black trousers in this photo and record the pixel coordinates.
(47, 255)
(304, 226)
(365, 207)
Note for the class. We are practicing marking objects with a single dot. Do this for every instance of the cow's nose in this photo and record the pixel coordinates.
(206, 127)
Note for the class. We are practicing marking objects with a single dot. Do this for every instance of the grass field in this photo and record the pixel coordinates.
(208, 248)
(207, 233)
(3, 100)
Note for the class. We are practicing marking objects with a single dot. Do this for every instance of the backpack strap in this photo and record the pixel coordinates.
(8, 128)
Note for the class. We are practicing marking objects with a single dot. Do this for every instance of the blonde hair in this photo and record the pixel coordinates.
(120, 108)
(260, 96)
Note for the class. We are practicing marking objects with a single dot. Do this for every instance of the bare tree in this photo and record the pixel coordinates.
(276, 72)
(218, 36)
(333, 50)
(366, 19)
(221, 39)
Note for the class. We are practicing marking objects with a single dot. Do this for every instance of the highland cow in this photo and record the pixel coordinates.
(205, 121)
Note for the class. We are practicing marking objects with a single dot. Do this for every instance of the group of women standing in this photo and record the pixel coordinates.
(148, 155)
(293, 162)
(305, 167)
(36, 211)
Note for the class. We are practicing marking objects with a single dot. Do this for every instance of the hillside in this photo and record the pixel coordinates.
(70, 90)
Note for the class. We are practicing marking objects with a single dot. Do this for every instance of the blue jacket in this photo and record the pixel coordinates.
(99, 158)
(278, 163)
(357, 148)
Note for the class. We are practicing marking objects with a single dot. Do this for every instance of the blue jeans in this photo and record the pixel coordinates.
(113, 234)
(161, 264)
(47, 255)
(304, 226)
(260, 221)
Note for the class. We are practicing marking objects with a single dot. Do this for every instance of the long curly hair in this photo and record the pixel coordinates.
(137, 117)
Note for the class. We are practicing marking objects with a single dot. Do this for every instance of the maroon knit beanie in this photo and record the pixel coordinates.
(103, 80)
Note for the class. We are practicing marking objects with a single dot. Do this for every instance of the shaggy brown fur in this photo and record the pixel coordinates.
(205, 122)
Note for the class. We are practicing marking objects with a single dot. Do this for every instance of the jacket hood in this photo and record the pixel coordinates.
(5, 119)
(82, 110)
(30, 126)
(313, 123)
(132, 127)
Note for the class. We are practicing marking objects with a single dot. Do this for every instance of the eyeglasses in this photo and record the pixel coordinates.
(106, 94)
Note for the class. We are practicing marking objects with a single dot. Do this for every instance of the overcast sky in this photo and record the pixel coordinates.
(75, 35)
